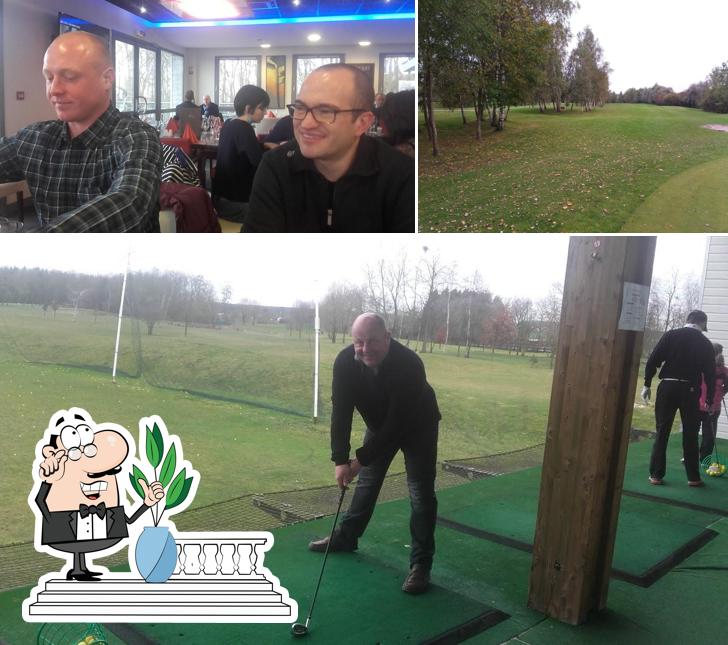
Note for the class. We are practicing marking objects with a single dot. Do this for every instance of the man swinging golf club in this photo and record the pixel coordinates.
(386, 383)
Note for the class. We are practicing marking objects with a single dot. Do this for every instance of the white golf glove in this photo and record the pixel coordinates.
(646, 394)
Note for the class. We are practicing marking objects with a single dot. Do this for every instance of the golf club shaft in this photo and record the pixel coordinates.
(326, 555)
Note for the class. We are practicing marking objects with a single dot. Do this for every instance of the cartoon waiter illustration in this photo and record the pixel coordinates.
(79, 499)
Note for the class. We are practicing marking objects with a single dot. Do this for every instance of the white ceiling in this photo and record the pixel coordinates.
(333, 34)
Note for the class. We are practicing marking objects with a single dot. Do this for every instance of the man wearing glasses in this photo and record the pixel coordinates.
(333, 178)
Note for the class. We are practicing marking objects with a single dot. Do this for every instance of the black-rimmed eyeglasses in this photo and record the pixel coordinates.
(320, 113)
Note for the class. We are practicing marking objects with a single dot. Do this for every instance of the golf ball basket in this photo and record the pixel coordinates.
(713, 467)
(71, 634)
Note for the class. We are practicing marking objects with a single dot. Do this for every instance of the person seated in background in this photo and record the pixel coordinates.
(282, 131)
(189, 102)
(333, 178)
(208, 108)
(397, 120)
(238, 154)
(93, 169)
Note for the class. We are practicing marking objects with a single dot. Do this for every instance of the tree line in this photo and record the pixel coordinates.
(494, 54)
(710, 95)
(426, 302)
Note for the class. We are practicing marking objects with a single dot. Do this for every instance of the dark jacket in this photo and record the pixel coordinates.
(684, 354)
(397, 403)
(238, 156)
(60, 526)
(210, 110)
(376, 195)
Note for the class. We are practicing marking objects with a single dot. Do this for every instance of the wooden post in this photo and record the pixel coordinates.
(595, 376)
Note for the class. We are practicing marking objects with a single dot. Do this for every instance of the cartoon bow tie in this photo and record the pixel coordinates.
(99, 510)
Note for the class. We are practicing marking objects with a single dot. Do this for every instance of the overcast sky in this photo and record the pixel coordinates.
(671, 42)
(278, 270)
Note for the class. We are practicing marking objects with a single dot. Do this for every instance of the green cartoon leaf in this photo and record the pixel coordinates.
(135, 476)
(168, 467)
(182, 496)
(159, 440)
(154, 456)
(176, 488)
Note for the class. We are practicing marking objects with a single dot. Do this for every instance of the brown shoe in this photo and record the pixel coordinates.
(336, 545)
(655, 481)
(418, 580)
(698, 484)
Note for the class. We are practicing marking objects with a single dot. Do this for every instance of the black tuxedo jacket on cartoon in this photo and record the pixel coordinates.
(60, 526)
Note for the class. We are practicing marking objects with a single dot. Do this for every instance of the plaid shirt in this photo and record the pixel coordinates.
(105, 180)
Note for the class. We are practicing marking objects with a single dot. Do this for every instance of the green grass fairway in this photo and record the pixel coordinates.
(620, 168)
(690, 198)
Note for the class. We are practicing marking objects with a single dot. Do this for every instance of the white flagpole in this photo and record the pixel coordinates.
(121, 312)
(317, 328)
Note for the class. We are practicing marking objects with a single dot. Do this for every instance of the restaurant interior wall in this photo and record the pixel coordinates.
(28, 28)
(203, 61)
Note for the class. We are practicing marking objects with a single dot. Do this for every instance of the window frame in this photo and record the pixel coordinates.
(137, 43)
(256, 58)
(384, 55)
(294, 65)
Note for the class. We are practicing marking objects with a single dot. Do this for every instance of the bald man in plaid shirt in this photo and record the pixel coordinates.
(93, 169)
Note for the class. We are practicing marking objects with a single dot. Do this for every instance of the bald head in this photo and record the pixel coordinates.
(371, 339)
(83, 46)
(79, 78)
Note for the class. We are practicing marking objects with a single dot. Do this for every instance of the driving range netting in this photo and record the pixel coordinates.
(264, 365)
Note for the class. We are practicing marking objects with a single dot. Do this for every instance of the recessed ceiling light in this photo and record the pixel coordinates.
(296, 2)
(265, 45)
(143, 9)
(209, 9)
(365, 43)
(314, 38)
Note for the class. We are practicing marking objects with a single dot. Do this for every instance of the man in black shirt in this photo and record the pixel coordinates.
(333, 178)
(189, 102)
(685, 355)
(386, 383)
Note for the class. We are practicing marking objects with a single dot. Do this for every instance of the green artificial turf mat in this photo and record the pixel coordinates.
(713, 497)
(359, 601)
(648, 534)
(687, 606)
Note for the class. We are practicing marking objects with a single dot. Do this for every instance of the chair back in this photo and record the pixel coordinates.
(191, 116)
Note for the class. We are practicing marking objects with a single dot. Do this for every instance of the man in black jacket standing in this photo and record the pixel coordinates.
(386, 383)
(684, 354)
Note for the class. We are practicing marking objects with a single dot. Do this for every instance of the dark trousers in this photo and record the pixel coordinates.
(709, 429)
(671, 397)
(420, 457)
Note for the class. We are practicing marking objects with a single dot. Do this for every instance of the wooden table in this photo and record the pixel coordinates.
(202, 153)
(18, 188)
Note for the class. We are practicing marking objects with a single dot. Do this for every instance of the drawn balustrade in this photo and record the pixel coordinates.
(207, 555)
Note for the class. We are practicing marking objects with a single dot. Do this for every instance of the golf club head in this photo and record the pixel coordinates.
(299, 630)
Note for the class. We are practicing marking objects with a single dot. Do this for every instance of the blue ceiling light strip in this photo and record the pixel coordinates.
(284, 21)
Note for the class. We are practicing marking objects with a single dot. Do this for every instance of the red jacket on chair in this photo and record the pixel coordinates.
(192, 208)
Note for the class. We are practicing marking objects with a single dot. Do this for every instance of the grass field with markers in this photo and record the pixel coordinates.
(621, 168)
(266, 441)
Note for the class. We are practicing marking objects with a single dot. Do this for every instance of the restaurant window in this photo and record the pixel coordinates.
(304, 65)
(124, 65)
(146, 102)
(231, 73)
(172, 80)
(397, 72)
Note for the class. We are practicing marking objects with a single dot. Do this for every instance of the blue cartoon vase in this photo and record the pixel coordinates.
(156, 554)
